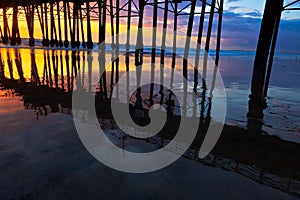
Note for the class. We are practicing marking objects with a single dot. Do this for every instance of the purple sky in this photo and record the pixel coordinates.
(242, 20)
(241, 25)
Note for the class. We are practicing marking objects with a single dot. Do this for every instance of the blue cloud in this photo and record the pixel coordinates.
(240, 32)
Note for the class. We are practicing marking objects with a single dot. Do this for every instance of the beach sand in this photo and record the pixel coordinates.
(45, 159)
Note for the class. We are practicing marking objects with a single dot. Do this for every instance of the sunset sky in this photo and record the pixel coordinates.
(242, 19)
(241, 24)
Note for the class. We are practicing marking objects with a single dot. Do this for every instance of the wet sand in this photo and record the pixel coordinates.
(281, 117)
(45, 159)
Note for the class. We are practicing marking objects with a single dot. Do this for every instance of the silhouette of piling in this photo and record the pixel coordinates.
(128, 30)
(73, 33)
(112, 24)
(5, 29)
(139, 41)
(46, 41)
(175, 34)
(188, 38)
(267, 32)
(272, 52)
(40, 14)
(199, 42)
(13, 40)
(70, 23)
(164, 34)
(60, 42)
(52, 27)
(78, 28)
(29, 13)
(220, 11)
(89, 30)
(66, 42)
(82, 29)
(103, 28)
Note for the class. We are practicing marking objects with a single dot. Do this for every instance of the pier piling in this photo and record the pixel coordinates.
(5, 25)
(90, 44)
(13, 40)
(267, 32)
(64, 20)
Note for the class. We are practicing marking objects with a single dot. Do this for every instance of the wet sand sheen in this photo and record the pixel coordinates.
(55, 164)
(42, 158)
(281, 117)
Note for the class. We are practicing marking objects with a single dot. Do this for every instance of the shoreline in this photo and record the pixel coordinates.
(148, 48)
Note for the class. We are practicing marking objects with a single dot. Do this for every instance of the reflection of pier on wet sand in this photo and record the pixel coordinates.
(265, 159)
(56, 164)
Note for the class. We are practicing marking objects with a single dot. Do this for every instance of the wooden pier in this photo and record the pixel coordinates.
(265, 54)
(65, 23)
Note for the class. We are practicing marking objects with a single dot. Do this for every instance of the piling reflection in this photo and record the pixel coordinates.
(49, 85)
